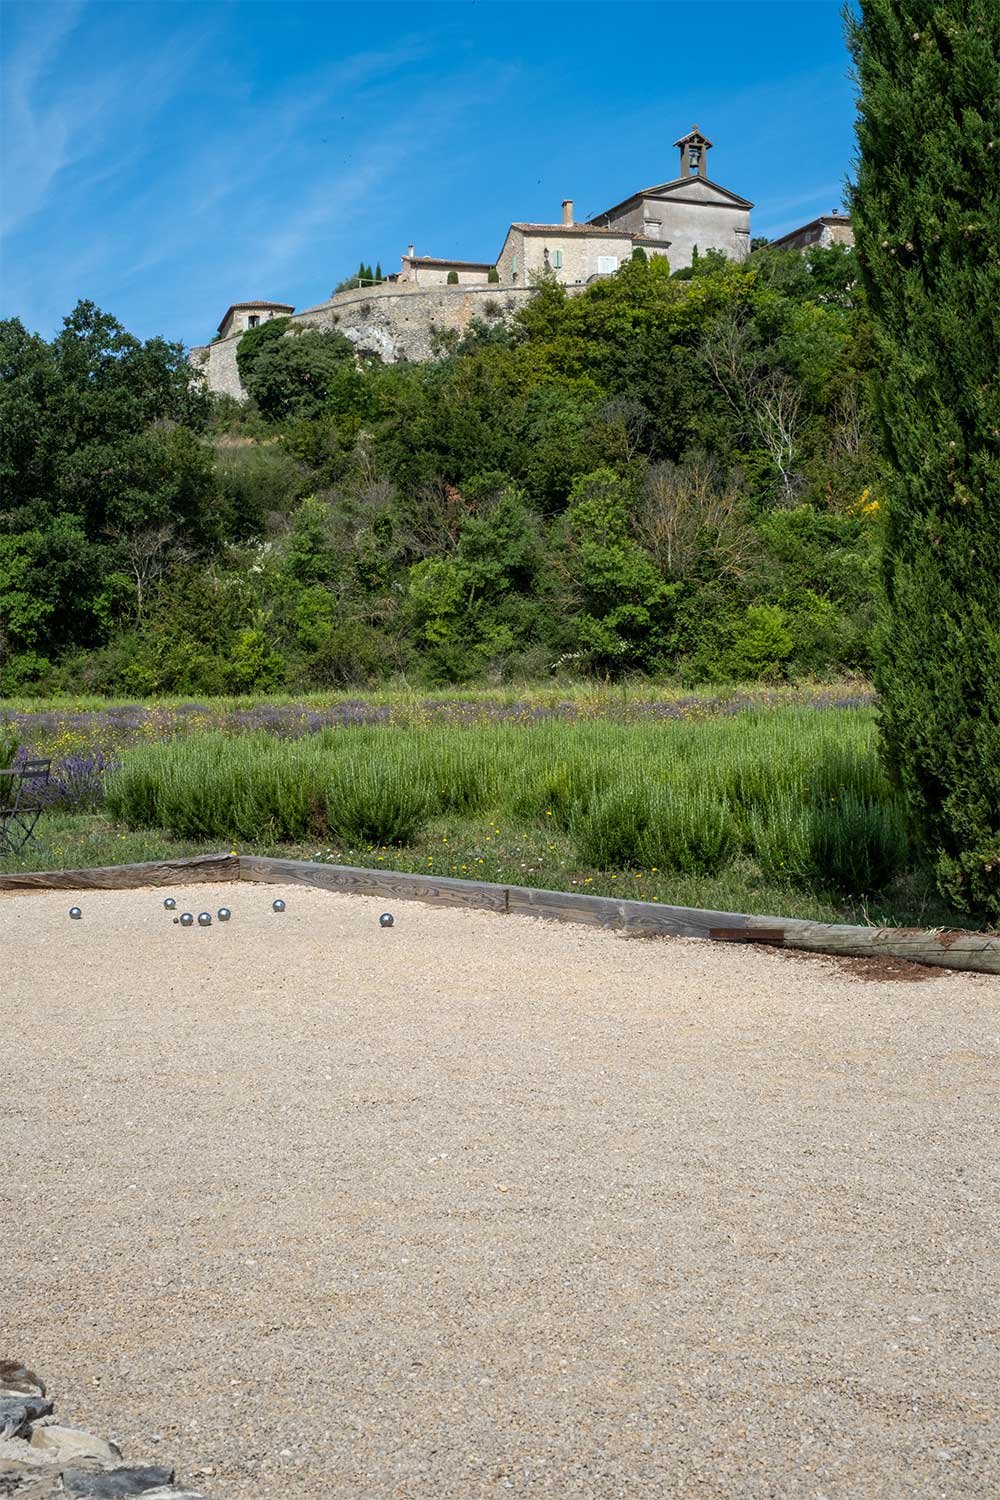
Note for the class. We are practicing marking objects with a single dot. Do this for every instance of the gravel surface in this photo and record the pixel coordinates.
(481, 1204)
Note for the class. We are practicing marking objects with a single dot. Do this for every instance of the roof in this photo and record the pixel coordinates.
(588, 229)
(286, 307)
(457, 265)
(735, 201)
(819, 223)
(694, 134)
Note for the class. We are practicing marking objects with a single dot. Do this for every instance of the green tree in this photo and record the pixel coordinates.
(290, 376)
(926, 210)
(104, 481)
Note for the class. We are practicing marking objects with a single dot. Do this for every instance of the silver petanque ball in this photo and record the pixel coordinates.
(385, 920)
(170, 903)
(75, 913)
(204, 919)
(223, 914)
(187, 920)
(278, 905)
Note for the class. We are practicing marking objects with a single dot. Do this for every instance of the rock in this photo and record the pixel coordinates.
(18, 1412)
(116, 1482)
(69, 1444)
(17, 1380)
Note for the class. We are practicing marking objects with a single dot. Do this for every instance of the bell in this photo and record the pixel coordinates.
(75, 913)
(204, 919)
(223, 914)
(385, 920)
(278, 905)
(170, 903)
(187, 920)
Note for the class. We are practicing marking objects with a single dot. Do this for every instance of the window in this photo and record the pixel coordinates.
(557, 259)
(606, 264)
(253, 320)
(513, 268)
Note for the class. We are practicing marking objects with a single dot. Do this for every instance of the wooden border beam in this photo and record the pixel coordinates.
(977, 952)
(195, 869)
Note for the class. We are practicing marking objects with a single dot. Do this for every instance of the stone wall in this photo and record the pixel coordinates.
(218, 364)
(386, 320)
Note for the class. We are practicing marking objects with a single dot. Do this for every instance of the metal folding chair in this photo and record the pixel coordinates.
(22, 802)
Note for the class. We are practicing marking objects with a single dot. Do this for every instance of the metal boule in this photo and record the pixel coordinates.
(204, 919)
(385, 920)
(170, 903)
(223, 914)
(187, 920)
(278, 905)
(75, 913)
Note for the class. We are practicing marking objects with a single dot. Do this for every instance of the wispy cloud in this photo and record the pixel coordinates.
(60, 115)
(36, 141)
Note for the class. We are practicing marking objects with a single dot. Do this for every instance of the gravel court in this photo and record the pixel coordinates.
(481, 1204)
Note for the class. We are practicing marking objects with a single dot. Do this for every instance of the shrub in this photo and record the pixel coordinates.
(689, 831)
(493, 276)
(375, 804)
(858, 847)
(8, 746)
(453, 278)
(608, 833)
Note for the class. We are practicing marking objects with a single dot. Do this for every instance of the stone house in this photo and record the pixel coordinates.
(432, 270)
(829, 229)
(688, 210)
(573, 253)
(243, 315)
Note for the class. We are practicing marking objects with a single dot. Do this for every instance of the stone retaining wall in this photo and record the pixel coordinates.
(387, 320)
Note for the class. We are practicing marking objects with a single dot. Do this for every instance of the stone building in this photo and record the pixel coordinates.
(432, 270)
(688, 210)
(829, 229)
(243, 315)
(573, 253)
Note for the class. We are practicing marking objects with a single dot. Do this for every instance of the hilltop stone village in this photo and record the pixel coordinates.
(406, 315)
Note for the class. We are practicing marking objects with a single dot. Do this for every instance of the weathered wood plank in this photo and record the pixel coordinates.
(978, 952)
(439, 890)
(198, 869)
(606, 911)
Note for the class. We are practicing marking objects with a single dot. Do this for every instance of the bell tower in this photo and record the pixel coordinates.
(694, 147)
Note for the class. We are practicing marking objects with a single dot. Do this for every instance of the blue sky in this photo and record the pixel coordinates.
(165, 158)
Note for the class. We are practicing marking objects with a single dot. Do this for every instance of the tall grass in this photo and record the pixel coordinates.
(800, 794)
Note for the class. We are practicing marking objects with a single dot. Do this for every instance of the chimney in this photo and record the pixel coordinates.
(409, 251)
(567, 211)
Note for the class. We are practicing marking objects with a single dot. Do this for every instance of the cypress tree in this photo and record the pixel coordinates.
(378, 271)
(926, 213)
